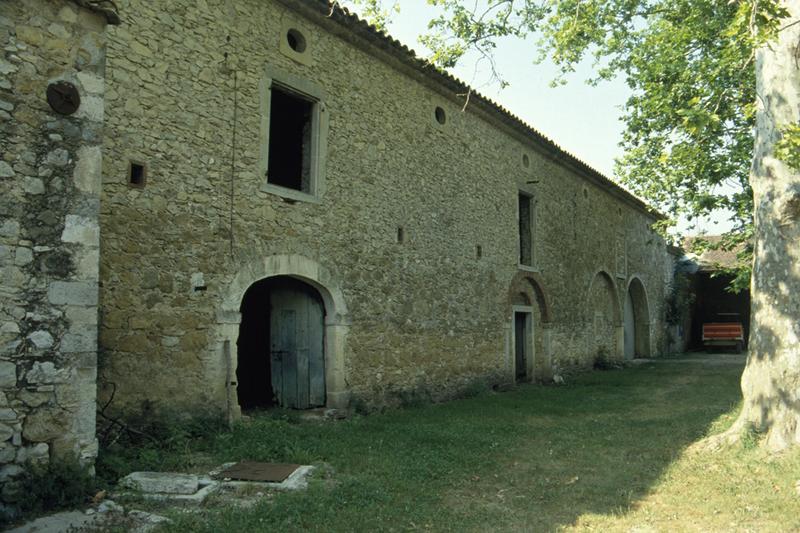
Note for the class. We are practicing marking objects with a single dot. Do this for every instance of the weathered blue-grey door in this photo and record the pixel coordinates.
(297, 355)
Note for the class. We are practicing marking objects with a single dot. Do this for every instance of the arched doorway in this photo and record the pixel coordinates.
(528, 341)
(281, 345)
(604, 322)
(636, 320)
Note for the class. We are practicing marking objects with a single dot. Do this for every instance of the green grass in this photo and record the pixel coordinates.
(605, 452)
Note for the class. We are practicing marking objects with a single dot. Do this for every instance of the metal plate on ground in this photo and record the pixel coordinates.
(251, 471)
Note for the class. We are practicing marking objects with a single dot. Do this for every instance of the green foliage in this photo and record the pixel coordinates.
(788, 148)
(679, 299)
(59, 484)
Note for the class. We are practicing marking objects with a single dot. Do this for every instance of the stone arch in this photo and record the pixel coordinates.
(337, 321)
(528, 290)
(637, 291)
(604, 317)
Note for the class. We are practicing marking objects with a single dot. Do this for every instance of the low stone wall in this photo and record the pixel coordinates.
(50, 170)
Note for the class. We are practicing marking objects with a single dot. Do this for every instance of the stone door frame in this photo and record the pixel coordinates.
(337, 322)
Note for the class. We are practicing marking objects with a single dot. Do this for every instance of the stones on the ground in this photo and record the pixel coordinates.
(146, 521)
(161, 482)
(110, 506)
(335, 414)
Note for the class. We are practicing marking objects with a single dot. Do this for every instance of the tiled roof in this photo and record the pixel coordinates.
(714, 259)
(107, 8)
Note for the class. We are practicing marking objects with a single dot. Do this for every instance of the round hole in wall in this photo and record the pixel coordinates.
(526, 161)
(296, 40)
(441, 116)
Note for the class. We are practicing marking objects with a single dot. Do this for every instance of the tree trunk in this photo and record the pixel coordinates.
(771, 379)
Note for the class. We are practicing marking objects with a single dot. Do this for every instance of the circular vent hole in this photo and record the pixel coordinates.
(526, 161)
(296, 40)
(441, 117)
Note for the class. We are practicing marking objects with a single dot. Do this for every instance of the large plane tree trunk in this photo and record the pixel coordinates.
(771, 379)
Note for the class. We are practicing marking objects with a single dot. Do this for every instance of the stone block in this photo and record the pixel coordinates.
(161, 482)
(38, 453)
(23, 256)
(8, 375)
(58, 158)
(81, 230)
(5, 170)
(45, 424)
(88, 169)
(8, 415)
(72, 293)
(79, 342)
(45, 373)
(41, 339)
(6, 432)
(32, 185)
(9, 472)
(9, 229)
(7, 453)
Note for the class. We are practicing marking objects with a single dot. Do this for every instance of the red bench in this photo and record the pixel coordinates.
(724, 334)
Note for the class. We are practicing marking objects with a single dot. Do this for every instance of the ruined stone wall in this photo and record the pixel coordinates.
(184, 98)
(50, 168)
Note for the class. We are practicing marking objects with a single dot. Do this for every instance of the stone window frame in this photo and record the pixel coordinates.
(533, 267)
(319, 133)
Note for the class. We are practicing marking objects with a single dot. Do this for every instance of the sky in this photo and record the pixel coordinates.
(584, 120)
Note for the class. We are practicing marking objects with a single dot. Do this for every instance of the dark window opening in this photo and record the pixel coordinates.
(478, 251)
(401, 235)
(441, 116)
(525, 231)
(136, 174)
(296, 40)
(520, 348)
(290, 143)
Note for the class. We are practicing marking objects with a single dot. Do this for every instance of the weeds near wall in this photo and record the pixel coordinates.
(604, 361)
(59, 484)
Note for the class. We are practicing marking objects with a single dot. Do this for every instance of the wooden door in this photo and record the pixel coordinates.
(297, 355)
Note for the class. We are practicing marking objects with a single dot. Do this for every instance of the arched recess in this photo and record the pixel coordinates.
(605, 332)
(527, 294)
(337, 322)
(637, 320)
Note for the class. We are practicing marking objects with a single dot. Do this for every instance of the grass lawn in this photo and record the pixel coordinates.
(605, 452)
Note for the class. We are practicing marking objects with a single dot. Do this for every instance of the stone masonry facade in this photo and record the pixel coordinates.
(50, 180)
(432, 232)
(410, 231)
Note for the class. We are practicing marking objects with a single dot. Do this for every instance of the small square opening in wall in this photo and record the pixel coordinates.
(137, 174)
(401, 235)
(290, 140)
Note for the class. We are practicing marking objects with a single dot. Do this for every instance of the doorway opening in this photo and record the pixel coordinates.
(281, 354)
(523, 336)
(636, 321)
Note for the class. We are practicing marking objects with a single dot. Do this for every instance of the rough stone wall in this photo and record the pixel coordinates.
(425, 314)
(50, 168)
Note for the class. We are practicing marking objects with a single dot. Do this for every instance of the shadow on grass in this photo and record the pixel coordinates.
(536, 458)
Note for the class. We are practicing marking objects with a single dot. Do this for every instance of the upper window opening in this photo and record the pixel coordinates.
(296, 40)
(526, 161)
(525, 230)
(290, 140)
(441, 116)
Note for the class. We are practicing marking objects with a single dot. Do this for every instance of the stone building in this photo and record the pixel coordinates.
(275, 167)
(51, 118)
(294, 211)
